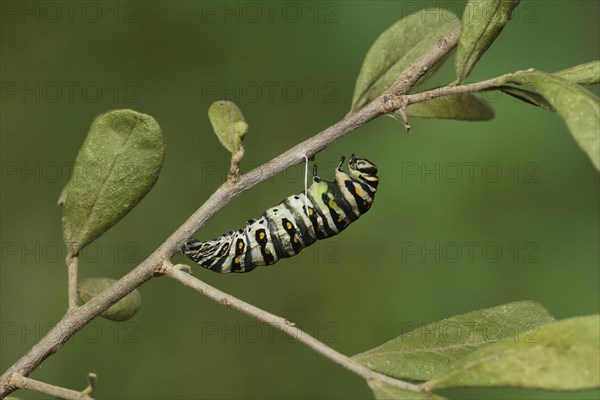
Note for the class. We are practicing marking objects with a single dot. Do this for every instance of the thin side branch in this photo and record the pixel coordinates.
(401, 102)
(283, 325)
(22, 382)
(72, 273)
(449, 90)
(234, 169)
(91, 387)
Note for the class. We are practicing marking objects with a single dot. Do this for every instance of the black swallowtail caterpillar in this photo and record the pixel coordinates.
(284, 230)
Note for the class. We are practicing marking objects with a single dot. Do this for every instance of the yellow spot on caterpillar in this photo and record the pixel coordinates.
(310, 211)
(226, 247)
(374, 178)
(332, 204)
(295, 239)
(340, 218)
(241, 245)
(357, 190)
(267, 251)
(261, 235)
(236, 260)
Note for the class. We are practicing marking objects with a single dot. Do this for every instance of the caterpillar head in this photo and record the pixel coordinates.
(363, 170)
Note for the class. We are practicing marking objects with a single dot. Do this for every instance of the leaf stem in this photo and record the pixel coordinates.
(72, 283)
(234, 169)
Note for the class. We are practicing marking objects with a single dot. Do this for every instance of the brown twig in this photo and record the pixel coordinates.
(449, 90)
(19, 381)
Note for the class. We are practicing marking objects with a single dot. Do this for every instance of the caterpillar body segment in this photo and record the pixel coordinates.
(298, 221)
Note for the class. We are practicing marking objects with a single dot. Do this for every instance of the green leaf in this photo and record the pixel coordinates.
(122, 310)
(577, 106)
(426, 351)
(561, 356)
(527, 96)
(116, 167)
(584, 74)
(228, 123)
(398, 47)
(482, 22)
(384, 391)
(462, 106)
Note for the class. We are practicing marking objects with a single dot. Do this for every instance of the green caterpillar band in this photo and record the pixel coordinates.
(284, 230)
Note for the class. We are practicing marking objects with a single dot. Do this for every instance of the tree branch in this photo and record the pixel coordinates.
(449, 90)
(22, 382)
(77, 318)
(287, 327)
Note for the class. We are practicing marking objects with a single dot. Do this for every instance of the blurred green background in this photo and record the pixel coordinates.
(291, 67)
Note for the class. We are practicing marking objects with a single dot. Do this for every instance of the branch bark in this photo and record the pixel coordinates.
(448, 90)
(22, 382)
(76, 318)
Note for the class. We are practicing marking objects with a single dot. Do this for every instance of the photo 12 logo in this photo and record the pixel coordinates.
(469, 252)
(26, 172)
(252, 12)
(468, 332)
(271, 92)
(255, 332)
(24, 332)
(55, 252)
(469, 172)
(213, 170)
(69, 92)
(436, 12)
(69, 12)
